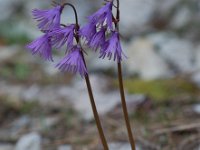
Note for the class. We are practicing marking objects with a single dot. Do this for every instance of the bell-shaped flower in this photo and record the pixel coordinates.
(103, 16)
(42, 47)
(88, 31)
(48, 19)
(73, 62)
(112, 48)
(98, 40)
(62, 36)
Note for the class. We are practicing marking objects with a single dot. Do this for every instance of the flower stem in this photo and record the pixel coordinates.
(89, 88)
(124, 106)
(94, 109)
(121, 86)
(74, 9)
(96, 116)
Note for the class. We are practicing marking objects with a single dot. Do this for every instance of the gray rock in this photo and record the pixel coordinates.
(99, 65)
(22, 9)
(22, 121)
(196, 78)
(47, 96)
(105, 100)
(197, 148)
(181, 18)
(144, 60)
(8, 53)
(178, 53)
(44, 124)
(197, 58)
(30, 141)
(65, 147)
(12, 91)
(59, 96)
(19, 125)
(122, 146)
(50, 69)
(166, 6)
(142, 11)
(74, 95)
(6, 147)
(31, 92)
(162, 55)
(196, 108)
(159, 38)
(4, 6)
(50, 96)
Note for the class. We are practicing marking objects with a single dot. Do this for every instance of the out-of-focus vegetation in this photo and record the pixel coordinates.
(10, 35)
(162, 89)
(18, 71)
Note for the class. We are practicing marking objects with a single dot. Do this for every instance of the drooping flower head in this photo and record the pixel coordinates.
(57, 35)
(42, 47)
(88, 31)
(98, 40)
(62, 36)
(73, 62)
(112, 48)
(94, 32)
(100, 24)
(48, 19)
(103, 16)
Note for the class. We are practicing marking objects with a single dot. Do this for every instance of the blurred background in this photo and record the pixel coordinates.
(43, 109)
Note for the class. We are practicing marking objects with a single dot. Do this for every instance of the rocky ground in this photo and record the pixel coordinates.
(43, 109)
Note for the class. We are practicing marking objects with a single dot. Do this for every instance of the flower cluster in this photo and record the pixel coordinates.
(57, 36)
(99, 33)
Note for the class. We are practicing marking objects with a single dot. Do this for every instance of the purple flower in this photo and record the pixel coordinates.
(41, 46)
(103, 16)
(61, 36)
(48, 19)
(98, 39)
(88, 31)
(73, 62)
(112, 48)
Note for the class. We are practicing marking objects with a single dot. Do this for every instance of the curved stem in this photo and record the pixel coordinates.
(74, 9)
(76, 18)
(117, 16)
(87, 80)
(121, 86)
(118, 4)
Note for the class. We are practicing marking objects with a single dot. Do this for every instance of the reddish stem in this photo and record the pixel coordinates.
(89, 88)
(121, 86)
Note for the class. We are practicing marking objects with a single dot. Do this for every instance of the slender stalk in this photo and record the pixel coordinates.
(121, 86)
(89, 88)
(96, 116)
(74, 9)
(124, 106)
